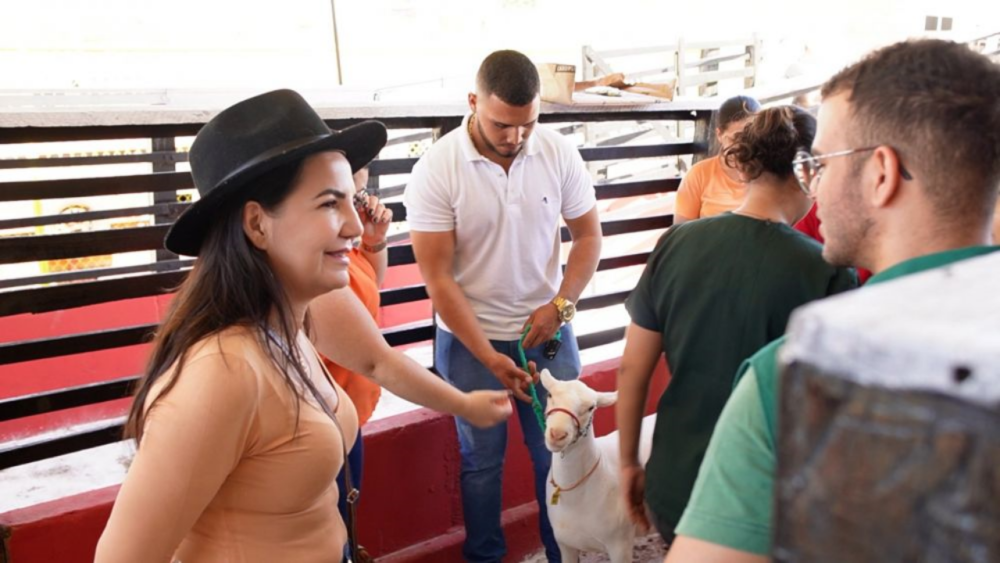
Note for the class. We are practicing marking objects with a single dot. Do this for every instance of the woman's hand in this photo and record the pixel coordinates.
(375, 218)
(487, 408)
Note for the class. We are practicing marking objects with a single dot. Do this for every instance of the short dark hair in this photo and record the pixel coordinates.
(510, 76)
(736, 109)
(936, 103)
(770, 141)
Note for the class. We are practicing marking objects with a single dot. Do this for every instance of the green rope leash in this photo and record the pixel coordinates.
(536, 404)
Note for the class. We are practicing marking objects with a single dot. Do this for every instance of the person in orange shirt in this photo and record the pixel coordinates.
(368, 263)
(240, 431)
(711, 186)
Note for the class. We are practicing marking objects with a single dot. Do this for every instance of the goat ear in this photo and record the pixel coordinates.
(547, 380)
(607, 399)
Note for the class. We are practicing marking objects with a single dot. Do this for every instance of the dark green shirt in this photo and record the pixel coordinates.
(717, 289)
(732, 501)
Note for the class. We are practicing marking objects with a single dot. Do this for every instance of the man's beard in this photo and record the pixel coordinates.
(847, 245)
(494, 148)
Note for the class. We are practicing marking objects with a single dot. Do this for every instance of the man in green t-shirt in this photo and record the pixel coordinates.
(714, 291)
(904, 168)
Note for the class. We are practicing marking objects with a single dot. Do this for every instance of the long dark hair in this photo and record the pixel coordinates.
(231, 284)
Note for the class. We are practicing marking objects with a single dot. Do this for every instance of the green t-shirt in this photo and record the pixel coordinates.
(716, 289)
(731, 504)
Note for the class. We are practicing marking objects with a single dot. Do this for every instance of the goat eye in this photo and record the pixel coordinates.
(592, 407)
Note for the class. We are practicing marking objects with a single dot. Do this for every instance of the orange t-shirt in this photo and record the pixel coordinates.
(364, 392)
(706, 191)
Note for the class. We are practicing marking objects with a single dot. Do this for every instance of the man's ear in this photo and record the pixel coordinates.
(255, 224)
(885, 172)
(472, 101)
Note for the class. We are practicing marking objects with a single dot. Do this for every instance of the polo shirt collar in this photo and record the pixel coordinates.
(930, 261)
(470, 153)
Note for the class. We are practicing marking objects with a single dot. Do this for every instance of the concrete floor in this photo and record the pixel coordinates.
(648, 549)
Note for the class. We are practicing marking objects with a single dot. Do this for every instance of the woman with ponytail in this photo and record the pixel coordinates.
(715, 291)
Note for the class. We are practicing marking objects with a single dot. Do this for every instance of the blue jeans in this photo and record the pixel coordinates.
(483, 450)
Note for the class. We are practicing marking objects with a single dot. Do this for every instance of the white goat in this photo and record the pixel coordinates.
(584, 496)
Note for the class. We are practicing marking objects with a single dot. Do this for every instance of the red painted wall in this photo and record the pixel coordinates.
(410, 509)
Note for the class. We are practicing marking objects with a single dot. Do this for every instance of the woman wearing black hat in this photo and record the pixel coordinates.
(240, 431)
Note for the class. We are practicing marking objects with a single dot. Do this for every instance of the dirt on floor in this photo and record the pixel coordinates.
(649, 549)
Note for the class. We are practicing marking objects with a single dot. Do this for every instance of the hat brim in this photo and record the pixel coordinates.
(360, 143)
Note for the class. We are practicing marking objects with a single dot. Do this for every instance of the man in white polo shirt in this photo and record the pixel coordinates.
(484, 206)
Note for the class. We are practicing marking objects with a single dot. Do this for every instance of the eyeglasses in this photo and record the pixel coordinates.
(808, 168)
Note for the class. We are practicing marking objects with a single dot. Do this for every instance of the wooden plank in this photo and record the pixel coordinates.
(74, 245)
(69, 296)
(707, 77)
(616, 53)
(714, 60)
(68, 398)
(27, 350)
(89, 187)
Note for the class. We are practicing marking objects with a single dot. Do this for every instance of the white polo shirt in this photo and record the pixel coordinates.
(506, 225)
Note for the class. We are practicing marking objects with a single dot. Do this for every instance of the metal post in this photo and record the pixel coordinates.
(164, 144)
(336, 41)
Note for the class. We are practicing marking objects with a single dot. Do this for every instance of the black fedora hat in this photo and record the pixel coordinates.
(251, 138)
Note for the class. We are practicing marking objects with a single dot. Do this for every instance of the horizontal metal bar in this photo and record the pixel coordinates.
(601, 338)
(27, 350)
(632, 189)
(90, 187)
(401, 254)
(654, 113)
(383, 167)
(55, 247)
(601, 301)
(622, 261)
(716, 60)
(637, 151)
(95, 435)
(703, 45)
(61, 161)
(402, 295)
(410, 335)
(69, 296)
(67, 398)
(169, 210)
(625, 226)
(616, 53)
(76, 275)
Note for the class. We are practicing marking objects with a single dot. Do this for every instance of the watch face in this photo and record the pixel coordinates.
(567, 312)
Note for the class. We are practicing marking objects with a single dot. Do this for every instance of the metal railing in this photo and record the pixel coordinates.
(70, 290)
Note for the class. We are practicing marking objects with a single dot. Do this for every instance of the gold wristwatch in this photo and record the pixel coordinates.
(567, 309)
